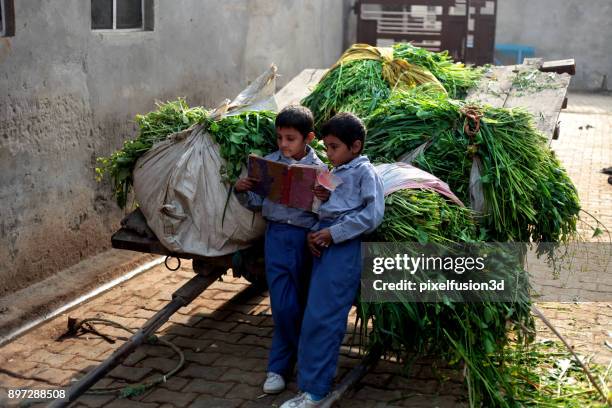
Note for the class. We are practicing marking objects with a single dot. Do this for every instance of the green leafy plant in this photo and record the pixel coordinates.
(153, 127)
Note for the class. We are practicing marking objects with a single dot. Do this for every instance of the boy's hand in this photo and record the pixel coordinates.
(322, 237)
(319, 239)
(314, 249)
(321, 193)
(245, 184)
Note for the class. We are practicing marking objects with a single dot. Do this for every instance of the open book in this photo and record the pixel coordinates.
(290, 184)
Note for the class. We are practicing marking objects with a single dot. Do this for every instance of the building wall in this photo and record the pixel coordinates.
(68, 95)
(560, 29)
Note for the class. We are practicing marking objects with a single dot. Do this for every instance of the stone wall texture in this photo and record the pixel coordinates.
(68, 94)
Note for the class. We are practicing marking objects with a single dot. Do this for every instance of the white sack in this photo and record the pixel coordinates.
(180, 191)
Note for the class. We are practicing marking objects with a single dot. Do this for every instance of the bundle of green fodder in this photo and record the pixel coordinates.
(365, 76)
(153, 127)
(527, 194)
(473, 333)
(238, 136)
(455, 76)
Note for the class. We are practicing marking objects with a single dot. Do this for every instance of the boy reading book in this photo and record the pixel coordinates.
(286, 252)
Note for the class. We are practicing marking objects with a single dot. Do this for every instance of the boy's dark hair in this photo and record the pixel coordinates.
(296, 116)
(346, 127)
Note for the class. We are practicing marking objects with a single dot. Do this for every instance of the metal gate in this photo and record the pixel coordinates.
(465, 28)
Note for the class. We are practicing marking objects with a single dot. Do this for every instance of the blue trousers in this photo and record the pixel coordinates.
(333, 286)
(288, 263)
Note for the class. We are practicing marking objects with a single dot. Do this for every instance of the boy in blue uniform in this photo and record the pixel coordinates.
(286, 252)
(354, 208)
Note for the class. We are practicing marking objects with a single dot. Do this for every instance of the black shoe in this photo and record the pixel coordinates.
(610, 180)
(607, 170)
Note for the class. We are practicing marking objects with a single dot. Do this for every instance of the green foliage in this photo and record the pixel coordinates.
(528, 195)
(237, 135)
(356, 87)
(155, 126)
(473, 333)
(359, 87)
(240, 135)
(424, 216)
(546, 374)
(454, 76)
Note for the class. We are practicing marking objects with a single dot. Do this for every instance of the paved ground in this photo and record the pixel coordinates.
(584, 148)
(225, 333)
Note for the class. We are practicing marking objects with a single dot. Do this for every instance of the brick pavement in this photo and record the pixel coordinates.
(224, 335)
(584, 148)
(226, 332)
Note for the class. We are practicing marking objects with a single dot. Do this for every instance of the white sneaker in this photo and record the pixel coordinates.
(303, 400)
(275, 383)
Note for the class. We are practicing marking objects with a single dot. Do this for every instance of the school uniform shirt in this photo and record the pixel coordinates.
(275, 212)
(357, 205)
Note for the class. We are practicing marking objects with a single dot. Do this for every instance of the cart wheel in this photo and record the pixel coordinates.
(258, 282)
(249, 264)
(206, 267)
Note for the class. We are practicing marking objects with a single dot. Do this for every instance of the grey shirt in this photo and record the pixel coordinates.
(356, 206)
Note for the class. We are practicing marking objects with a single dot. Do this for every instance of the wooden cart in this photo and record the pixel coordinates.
(498, 88)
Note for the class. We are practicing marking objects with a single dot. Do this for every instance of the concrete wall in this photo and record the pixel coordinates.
(68, 95)
(560, 29)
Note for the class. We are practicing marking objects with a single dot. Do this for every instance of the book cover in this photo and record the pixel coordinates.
(290, 185)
